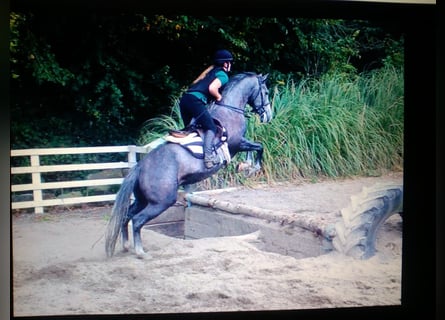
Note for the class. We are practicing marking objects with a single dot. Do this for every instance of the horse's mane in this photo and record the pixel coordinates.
(234, 80)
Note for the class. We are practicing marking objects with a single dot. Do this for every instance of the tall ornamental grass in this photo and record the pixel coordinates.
(336, 126)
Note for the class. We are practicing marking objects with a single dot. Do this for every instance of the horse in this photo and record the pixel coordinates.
(155, 179)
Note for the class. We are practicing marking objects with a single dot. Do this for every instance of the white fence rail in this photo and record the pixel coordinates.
(37, 185)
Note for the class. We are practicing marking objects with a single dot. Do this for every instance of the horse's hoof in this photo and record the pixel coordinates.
(126, 247)
(247, 169)
(243, 166)
(142, 255)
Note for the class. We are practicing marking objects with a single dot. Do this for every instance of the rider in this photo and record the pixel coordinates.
(204, 89)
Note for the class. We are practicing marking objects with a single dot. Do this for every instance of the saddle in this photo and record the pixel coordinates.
(192, 139)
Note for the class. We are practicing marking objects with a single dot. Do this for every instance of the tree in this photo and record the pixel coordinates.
(93, 79)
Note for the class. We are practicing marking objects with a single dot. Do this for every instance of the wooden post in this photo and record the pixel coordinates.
(132, 160)
(36, 180)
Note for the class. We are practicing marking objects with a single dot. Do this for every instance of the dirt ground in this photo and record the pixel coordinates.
(60, 268)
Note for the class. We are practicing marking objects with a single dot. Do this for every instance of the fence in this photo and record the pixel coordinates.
(36, 169)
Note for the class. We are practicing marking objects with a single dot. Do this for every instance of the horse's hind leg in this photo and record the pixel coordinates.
(151, 211)
(133, 210)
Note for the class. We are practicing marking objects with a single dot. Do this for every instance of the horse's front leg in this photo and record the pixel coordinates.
(249, 147)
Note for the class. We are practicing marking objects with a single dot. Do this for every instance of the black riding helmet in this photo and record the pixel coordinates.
(222, 56)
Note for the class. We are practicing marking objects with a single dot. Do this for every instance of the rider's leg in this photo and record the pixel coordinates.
(193, 108)
(185, 108)
(210, 158)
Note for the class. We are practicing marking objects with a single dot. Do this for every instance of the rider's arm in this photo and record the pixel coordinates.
(214, 89)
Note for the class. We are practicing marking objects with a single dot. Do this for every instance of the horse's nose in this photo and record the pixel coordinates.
(267, 115)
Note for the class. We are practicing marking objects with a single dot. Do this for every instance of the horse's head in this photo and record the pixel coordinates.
(259, 100)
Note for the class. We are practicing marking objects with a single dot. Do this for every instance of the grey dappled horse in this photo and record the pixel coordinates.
(155, 179)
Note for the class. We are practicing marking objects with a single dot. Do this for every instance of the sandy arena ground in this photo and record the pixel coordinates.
(60, 268)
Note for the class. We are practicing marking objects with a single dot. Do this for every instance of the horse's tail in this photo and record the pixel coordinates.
(120, 210)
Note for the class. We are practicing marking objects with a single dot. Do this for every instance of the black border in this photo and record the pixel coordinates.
(421, 294)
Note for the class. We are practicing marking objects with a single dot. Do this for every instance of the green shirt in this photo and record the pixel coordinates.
(205, 97)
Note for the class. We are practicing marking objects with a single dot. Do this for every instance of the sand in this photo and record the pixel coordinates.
(60, 268)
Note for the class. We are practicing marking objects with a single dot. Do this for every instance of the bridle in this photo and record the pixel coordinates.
(258, 109)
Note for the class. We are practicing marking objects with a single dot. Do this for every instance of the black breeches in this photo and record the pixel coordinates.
(192, 107)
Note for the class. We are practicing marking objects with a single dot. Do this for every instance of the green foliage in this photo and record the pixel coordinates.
(335, 126)
(37, 56)
(100, 80)
(326, 45)
(45, 66)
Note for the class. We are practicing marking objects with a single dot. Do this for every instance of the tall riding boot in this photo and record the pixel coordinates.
(209, 158)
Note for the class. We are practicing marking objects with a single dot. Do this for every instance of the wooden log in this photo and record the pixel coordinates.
(308, 222)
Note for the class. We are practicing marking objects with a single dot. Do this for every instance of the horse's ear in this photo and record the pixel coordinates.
(264, 78)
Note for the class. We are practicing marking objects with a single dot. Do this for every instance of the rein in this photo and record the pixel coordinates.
(260, 110)
(238, 110)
